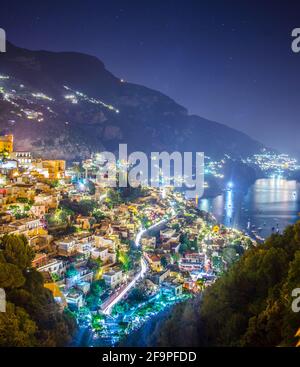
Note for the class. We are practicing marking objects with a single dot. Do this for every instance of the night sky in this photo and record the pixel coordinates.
(229, 61)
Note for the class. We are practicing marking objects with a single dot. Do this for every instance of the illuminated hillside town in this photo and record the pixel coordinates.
(274, 164)
(115, 257)
(20, 97)
(149, 180)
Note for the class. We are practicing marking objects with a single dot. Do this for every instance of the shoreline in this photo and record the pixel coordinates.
(152, 322)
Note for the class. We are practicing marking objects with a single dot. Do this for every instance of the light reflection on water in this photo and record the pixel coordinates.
(269, 203)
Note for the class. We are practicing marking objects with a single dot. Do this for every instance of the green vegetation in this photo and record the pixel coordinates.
(93, 297)
(125, 260)
(124, 195)
(250, 305)
(113, 198)
(187, 245)
(32, 318)
(91, 188)
(25, 201)
(137, 295)
(97, 322)
(84, 207)
(53, 183)
(131, 193)
(20, 212)
(164, 262)
(60, 217)
(71, 271)
(4, 154)
(99, 215)
(146, 223)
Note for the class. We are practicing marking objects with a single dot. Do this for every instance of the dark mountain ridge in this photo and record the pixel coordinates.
(103, 112)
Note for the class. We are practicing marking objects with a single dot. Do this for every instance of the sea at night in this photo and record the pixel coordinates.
(269, 206)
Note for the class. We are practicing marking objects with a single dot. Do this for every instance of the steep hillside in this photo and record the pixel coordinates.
(67, 105)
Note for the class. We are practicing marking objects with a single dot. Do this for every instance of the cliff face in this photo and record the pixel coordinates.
(67, 105)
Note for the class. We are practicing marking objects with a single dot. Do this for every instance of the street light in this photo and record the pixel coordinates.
(230, 185)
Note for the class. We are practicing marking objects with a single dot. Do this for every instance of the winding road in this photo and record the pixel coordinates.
(118, 295)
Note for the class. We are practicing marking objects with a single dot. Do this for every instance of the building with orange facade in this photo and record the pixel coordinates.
(7, 143)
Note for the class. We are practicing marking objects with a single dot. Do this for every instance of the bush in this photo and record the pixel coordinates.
(32, 317)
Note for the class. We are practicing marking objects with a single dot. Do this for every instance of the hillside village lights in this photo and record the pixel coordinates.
(175, 169)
